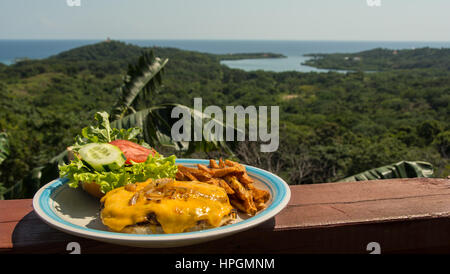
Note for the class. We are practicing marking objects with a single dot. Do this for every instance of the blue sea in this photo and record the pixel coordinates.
(10, 50)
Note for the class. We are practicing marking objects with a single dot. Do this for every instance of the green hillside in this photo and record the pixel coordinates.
(332, 125)
(384, 59)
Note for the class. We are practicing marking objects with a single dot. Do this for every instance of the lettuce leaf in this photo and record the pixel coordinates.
(101, 132)
(76, 171)
(155, 167)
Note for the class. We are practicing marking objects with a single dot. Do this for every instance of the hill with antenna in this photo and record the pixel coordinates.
(103, 51)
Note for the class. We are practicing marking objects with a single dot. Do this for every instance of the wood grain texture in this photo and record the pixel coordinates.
(403, 215)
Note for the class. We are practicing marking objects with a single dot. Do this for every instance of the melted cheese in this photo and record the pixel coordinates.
(197, 202)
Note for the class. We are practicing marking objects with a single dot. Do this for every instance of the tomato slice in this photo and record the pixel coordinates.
(132, 151)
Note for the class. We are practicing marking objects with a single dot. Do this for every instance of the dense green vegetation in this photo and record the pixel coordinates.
(333, 125)
(380, 59)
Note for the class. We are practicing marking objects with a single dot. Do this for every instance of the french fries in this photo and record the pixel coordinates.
(197, 173)
(213, 163)
(242, 194)
(233, 178)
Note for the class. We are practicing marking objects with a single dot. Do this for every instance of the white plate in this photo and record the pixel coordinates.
(76, 212)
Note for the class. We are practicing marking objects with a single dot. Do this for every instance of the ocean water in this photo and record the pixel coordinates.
(36, 49)
(10, 50)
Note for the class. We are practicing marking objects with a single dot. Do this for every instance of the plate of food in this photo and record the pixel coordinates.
(119, 190)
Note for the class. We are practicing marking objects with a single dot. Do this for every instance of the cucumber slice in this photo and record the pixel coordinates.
(102, 157)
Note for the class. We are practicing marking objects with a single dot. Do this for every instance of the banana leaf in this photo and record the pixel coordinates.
(141, 79)
(4, 153)
(2, 191)
(35, 179)
(402, 169)
(4, 147)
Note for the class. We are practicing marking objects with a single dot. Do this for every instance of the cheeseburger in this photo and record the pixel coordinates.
(166, 206)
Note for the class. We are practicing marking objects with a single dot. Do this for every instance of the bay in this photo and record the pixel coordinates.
(11, 50)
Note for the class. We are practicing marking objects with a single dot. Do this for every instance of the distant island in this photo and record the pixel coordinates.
(381, 59)
(110, 50)
(239, 56)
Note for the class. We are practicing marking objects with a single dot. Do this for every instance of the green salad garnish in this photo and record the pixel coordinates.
(79, 170)
(155, 167)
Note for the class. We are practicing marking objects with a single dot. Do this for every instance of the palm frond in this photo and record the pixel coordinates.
(157, 123)
(141, 80)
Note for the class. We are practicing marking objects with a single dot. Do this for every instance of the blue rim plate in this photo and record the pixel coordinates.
(61, 207)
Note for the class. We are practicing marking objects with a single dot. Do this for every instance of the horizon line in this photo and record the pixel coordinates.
(216, 39)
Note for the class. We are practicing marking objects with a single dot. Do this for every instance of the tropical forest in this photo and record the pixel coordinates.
(387, 108)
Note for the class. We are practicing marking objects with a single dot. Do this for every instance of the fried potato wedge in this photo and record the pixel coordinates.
(213, 163)
(199, 174)
(238, 204)
(222, 172)
(221, 163)
(203, 168)
(225, 186)
(243, 194)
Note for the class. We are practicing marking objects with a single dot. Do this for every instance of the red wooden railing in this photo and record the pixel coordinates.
(400, 216)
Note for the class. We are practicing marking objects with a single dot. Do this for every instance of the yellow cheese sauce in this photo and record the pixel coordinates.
(189, 203)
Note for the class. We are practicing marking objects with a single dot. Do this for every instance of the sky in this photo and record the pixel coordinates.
(360, 20)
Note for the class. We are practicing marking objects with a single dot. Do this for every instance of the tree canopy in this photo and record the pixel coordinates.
(333, 125)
